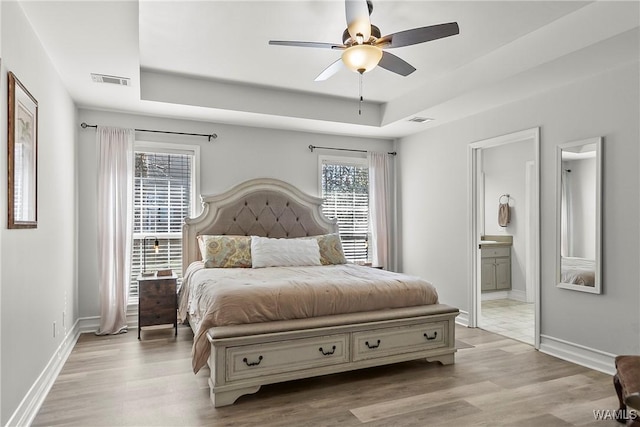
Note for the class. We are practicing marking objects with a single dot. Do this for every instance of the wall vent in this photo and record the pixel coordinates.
(417, 119)
(114, 80)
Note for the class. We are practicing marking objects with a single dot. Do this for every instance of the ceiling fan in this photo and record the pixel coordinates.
(362, 44)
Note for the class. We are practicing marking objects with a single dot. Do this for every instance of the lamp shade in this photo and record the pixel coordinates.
(362, 58)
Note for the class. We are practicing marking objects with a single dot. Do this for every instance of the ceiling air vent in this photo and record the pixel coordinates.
(114, 80)
(417, 119)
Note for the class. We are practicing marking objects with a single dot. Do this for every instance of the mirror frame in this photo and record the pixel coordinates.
(597, 288)
(23, 108)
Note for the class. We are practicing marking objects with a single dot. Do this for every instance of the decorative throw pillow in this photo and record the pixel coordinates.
(225, 251)
(267, 252)
(330, 249)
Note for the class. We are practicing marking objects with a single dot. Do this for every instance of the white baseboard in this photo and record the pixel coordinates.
(32, 401)
(512, 294)
(490, 296)
(92, 323)
(88, 324)
(578, 354)
(463, 318)
(517, 295)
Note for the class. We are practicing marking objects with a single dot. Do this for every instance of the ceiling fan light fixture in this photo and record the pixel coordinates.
(362, 58)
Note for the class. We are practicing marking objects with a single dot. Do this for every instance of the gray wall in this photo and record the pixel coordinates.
(239, 153)
(434, 219)
(38, 266)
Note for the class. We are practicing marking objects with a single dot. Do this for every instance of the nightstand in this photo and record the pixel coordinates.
(157, 301)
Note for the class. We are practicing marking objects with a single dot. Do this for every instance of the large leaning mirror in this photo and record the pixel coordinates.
(579, 215)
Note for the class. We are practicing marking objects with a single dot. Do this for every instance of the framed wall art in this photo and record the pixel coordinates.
(23, 156)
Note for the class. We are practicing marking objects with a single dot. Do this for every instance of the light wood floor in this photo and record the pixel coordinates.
(496, 381)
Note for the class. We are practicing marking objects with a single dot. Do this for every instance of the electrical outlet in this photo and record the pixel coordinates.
(54, 329)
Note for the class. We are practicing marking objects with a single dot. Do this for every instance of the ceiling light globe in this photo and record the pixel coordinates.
(362, 57)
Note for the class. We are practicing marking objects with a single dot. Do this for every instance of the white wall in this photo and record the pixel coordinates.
(239, 153)
(504, 173)
(434, 197)
(38, 266)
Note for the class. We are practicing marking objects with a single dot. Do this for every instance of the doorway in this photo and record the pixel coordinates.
(505, 255)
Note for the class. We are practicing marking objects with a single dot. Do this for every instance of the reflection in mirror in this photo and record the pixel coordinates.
(578, 223)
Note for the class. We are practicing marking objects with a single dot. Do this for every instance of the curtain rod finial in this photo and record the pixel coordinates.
(213, 136)
(83, 125)
(311, 147)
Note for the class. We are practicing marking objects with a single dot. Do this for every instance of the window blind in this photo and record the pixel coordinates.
(162, 199)
(345, 189)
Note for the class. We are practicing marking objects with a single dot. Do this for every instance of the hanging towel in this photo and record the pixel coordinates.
(504, 214)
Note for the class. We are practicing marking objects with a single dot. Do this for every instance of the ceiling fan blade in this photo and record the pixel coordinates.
(418, 35)
(330, 70)
(307, 44)
(358, 22)
(394, 64)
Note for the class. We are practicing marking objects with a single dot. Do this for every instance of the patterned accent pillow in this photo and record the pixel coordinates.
(330, 249)
(225, 251)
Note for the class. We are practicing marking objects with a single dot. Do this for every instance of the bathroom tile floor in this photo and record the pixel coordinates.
(513, 319)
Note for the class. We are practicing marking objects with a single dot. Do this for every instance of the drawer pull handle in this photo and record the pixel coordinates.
(435, 334)
(372, 346)
(252, 363)
(327, 353)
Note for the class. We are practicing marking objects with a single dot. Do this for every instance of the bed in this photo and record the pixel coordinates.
(578, 271)
(257, 326)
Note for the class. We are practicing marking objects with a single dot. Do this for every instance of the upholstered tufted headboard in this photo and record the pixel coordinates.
(260, 207)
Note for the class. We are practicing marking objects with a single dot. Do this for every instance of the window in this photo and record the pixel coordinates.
(164, 194)
(345, 190)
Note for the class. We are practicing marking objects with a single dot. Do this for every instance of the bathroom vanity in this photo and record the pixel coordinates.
(495, 254)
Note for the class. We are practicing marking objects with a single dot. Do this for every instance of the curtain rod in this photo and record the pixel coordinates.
(313, 147)
(209, 137)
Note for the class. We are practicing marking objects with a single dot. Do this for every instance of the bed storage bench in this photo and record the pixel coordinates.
(245, 357)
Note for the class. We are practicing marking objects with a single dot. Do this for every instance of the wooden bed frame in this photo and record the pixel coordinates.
(245, 357)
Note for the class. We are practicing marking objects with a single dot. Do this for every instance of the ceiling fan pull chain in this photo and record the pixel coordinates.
(360, 105)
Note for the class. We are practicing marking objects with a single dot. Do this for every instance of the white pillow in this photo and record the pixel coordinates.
(267, 252)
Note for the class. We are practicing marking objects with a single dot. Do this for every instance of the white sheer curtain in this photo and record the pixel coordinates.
(115, 187)
(380, 180)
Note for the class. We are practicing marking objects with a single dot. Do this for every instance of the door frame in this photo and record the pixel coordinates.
(474, 154)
